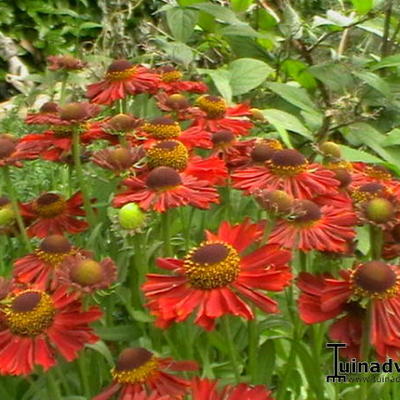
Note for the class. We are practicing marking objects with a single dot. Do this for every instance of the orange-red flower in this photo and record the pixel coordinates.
(374, 284)
(37, 325)
(139, 374)
(287, 170)
(122, 79)
(46, 116)
(171, 82)
(164, 188)
(65, 62)
(205, 389)
(52, 214)
(213, 115)
(311, 227)
(214, 278)
(40, 266)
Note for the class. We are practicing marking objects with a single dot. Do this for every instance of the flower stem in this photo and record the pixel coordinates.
(231, 348)
(14, 203)
(137, 271)
(63, 91)
(52, 386)
(253, 334)
(79, 173)
(376, 241)
(166, 234)
(83, 374)
(365, 340)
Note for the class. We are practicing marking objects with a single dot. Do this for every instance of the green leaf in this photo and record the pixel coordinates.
(266, 362)
(350, 154)
(374, 81)
(241, 5)
(244, 30)
(294, 95)
(363, 239)
(391, 61)
(224, 14)
(117, 333)
(247, 74)
(392, 138)
(179, 52)
(102, 349)
(181, 22)
(363, 6)
(221, 79)
(334, 75)
(286, 121)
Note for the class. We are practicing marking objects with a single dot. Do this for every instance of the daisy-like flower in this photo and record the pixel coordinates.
(139, 373)
(176, 103)
(122, 79)
(164, 188)
(311, 227)
(374, 284)
(287, 170)
(118, 159)
(10, 153)
(213, 279)
(47, 114)
(40, 266)
(369, 191)
(52, 214)
(80, 272)
(346, 329)
(171, 82)
(65, 62)
(76, 113)
(214, 115)
(37, 325)
(205, 389)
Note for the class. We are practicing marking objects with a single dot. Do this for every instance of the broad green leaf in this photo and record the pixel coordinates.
(185, 3)
(118, 333)
(392, 138)
(102, 349)
(363, 6)
(374, 81)
(245, 47)
(286, 121)
(181, 22)
(179, 52)
(351, 154)
(247, 74)
(221, 79)
(334, 75)
(391, 61)
(224, 14)
(294, 95)
(298, 71)
(244, 30)
(363, 240)
(241, 5)
(266, 362)
(292, 25)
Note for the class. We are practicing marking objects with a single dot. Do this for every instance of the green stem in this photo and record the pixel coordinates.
(376, 241)
(137, 271)
(253, 333)
(52, 386)
(79, 173)
(231, 348)
(269, 225)
(14, 203)
(63, 91)
(83, 374)
(166, 234)
(366, 339)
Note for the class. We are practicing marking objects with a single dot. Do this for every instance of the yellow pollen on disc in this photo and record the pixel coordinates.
(287, 170)
(168, 154)
(212, 265)
(215, 107)
(137, 375)
(121, 75)
(162, 131)
(53, 259)
(171, 76)
(34, 321)
(378, 173)
(51, 210)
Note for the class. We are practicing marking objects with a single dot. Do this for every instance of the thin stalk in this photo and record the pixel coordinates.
(137, 271)
(79, 173)
(14, 203)
(386, 29)
(376, 241)
(83, 374)
(253, 334)
(63, 89)
(166, 233)
(52, 386)
(231, 348)
(365, 348)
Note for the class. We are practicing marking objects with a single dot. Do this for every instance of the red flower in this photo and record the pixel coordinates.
(214, 277)
(122, 78)
(164, 188)
(46, 116)
(311, 227)
(213, 115)
(11, 152)
(139, 374)
(36, 325)
(40, 266)
(74, 114)
(347, 329)
(171, 82)
(53, 214)
(287, 170)
(205, 389)
(65, 62)
(374, 284)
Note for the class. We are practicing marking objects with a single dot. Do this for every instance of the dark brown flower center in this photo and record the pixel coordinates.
(375, 277)
(212, 265)
(287, 162)
(368, 191)
(222, 138)
(74, 111)
(7, 147)
(55, 244)
(133, 358)
(49, 107)
(396, 233)
(50, 205)
(119, 66)
(162, 178)
(306, 212)
(343, 176)
(26, 301)
(262, 152)
(4, 200)
(122, 123)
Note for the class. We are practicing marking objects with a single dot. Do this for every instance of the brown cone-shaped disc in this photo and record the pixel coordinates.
(7, 147)
(163, 177)
(262, 152)
(375, 277)
(210, 254)
(307, 211)
(26, 302)
(55, 244)
(48, 198)
(133, 358)
(49, 107)
(119, 66)
(288, 158)
(222, 137)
